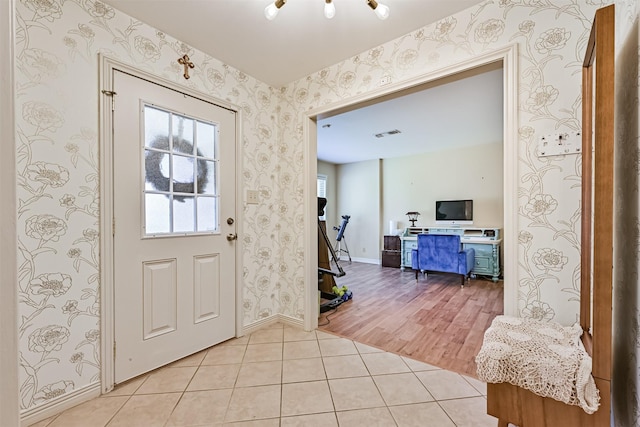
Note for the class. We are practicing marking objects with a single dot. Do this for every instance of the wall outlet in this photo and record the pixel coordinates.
(252, 197)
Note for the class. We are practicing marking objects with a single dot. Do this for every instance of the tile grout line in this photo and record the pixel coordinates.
(244, 363)
(233, 389)
(326, 378)
(185, 388)
(126, 401)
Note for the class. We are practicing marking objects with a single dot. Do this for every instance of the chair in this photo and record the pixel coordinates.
(442, 253)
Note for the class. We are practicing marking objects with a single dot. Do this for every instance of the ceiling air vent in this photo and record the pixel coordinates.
(391, 132)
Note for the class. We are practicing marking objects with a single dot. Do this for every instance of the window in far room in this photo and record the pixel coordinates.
(322, 191)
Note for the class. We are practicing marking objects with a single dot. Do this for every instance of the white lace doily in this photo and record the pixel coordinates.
(543, 357)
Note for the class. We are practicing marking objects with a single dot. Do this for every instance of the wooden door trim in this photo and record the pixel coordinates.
(598, 135)
(107, 67)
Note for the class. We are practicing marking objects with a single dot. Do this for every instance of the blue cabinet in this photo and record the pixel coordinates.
(487, 262)
(485, 241)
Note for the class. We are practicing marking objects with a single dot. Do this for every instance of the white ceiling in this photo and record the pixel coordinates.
(298, 42)
(301, 41)
(454, 113)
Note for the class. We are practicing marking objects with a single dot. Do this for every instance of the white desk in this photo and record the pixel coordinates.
(485, 242)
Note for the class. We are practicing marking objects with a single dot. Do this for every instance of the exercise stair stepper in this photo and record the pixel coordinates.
(338, 295)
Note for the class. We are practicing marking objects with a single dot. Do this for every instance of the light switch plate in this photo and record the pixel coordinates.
(252, 197)
(560, 144)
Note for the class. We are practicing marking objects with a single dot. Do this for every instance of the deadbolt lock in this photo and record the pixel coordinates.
(230, 221)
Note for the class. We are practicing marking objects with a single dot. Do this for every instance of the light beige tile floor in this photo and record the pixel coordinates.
(281, 376)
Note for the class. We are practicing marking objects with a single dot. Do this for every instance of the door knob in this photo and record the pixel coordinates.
(232, 236)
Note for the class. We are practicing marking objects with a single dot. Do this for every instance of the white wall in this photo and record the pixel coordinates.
(415, 183)
(359, 196)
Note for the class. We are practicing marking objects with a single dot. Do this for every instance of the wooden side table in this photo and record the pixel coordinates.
(391, 253)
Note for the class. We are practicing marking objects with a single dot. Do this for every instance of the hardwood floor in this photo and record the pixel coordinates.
(433, 320)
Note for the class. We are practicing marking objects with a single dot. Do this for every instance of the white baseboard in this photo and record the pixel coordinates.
(259, 324)
(363, 260)
(69, 400)
(276, 318)
(291, 321)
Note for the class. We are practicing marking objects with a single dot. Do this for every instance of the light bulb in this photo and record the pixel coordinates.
(329, 9)
(271, 11)
(382, 11)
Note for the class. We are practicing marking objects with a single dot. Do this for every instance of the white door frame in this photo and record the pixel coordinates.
(107, 306)
(9, 391)
(509, 57)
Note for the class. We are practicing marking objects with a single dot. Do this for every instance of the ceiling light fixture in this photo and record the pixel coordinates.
(272, 10)
(329, 9)
(381, 10)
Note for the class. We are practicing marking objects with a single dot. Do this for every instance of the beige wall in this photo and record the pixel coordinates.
(358, 190)
(414, 184)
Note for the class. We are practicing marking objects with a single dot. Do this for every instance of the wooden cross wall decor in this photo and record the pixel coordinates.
(187, 64)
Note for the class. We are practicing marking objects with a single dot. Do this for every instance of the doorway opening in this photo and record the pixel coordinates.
(507, 57)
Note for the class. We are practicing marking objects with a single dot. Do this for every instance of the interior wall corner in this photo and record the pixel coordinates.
(9, 393)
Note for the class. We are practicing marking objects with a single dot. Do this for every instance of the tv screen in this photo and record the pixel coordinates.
(460, 211)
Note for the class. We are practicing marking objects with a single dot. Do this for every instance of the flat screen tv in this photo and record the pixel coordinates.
(454, 212)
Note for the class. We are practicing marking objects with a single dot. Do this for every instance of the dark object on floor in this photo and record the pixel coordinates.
(326, 273)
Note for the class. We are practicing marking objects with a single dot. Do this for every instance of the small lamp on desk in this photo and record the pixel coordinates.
(413, 217)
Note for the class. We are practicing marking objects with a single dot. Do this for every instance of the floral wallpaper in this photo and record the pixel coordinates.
(58, 42)
(57, 151)
(551, 37)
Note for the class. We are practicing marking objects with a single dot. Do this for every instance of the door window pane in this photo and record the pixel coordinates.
(206, 139)
(182, 134)
(206, 177)
(157, 214)
(206, 205)
(157, 171)
(183, 174)
(156, 125)
(180, 170)
(183, 214)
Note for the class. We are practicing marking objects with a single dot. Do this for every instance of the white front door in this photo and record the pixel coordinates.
(174, 230)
